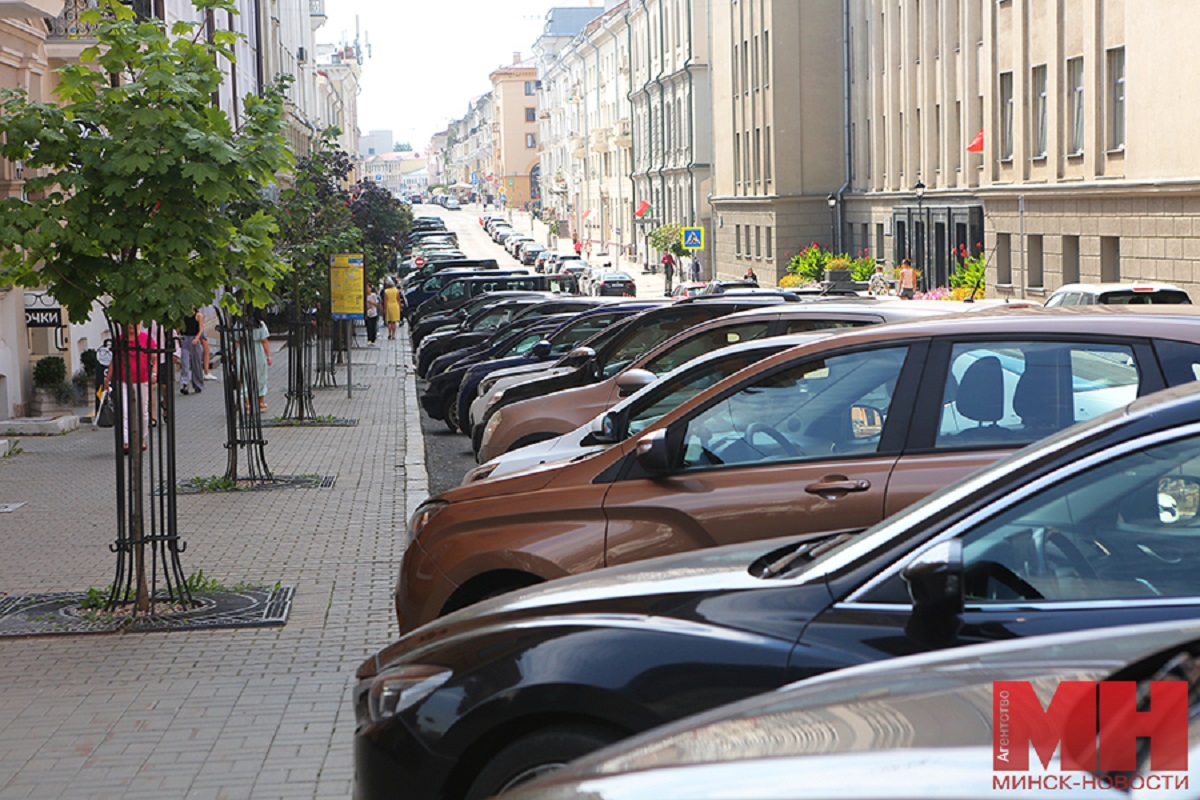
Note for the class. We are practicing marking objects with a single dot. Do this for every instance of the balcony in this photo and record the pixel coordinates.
(69, 35)
(30, 9)
(578, 146)
(316, 13)
(623, 133)
(599, 139)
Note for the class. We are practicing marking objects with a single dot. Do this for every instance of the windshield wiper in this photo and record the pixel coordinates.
(804, 552)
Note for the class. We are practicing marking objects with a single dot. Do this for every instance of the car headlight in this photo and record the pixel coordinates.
(394, 690)
(421, 517)
(486, 385)
(492, 423)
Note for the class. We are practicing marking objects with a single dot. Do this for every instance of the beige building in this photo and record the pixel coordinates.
(778, 127)
(672, 112)
(1078, 178)
(515, 132)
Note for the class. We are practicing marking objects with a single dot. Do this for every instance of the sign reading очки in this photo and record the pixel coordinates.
(43, 317)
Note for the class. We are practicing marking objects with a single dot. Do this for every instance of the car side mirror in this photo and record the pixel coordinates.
(579, 356)
(654, 453)
(935, 584)
(632, 380)
(541, 350)
(606, 428)
(866, 422)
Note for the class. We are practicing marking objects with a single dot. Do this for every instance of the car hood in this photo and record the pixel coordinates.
(879, 716)
(665, 591)
(548, 454)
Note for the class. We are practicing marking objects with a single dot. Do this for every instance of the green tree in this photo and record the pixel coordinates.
(140, 190)
(315, 220)
(383, 221)
(668, 238)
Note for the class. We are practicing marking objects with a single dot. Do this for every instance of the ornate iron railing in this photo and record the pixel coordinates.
(243, 374)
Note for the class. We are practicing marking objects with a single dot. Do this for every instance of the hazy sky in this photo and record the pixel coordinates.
(428, 58)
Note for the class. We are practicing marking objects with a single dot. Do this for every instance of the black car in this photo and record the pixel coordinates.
(1096, 526)
(614, 284)
(459, 290)
(432, 322)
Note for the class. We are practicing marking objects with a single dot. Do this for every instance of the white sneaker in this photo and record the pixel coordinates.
(208, 376)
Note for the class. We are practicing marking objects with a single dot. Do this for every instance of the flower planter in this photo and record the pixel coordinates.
(45, 403)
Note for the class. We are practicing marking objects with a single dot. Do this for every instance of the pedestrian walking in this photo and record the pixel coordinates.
(578, 246)
(191, 355)
(205, 313)
(136, 370)
(260, 348)
(668, 265)
(878, 286)
(695, 268)
(372, 314)
(391, 307)
(908, 280)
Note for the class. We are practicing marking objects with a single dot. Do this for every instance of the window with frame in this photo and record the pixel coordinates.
(737, 159)
(1075, 120)
(531, 114)
(1126, 529)
(1008, 394)
(817, 410)
(767, 153)
(530, 88)
(530, 140)
(737, 240)
(1041, 108)
(1116, 98)
(1007, 112)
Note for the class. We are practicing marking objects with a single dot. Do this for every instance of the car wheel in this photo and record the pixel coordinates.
(452, 415)
(535, 755)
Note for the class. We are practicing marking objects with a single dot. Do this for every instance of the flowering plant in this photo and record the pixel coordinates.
(968, 277)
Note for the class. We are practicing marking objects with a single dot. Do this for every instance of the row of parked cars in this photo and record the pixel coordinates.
(844, 517)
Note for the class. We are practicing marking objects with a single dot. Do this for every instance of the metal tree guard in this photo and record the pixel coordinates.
(243, 419)
(301, 336)
(145, 475)
(327, 354)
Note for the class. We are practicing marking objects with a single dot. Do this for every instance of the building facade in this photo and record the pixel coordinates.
(671, 119)
(778, 131)
(515, 133)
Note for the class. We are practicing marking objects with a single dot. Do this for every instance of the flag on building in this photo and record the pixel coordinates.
(642, 208)
(976, 145)
(586, 214)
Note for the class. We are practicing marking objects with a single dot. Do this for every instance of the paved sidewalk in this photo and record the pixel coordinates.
(241, 713)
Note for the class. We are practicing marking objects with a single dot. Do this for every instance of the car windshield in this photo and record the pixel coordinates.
(1132, 297)
(580, 330)
(672, 392)
(644, 337)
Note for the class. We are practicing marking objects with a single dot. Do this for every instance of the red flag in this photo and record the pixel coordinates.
(976, 145)
(586, 214)
(642, 208)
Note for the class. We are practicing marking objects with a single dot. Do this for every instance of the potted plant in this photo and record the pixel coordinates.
(51, 392)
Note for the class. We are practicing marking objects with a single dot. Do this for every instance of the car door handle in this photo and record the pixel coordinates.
(834, 487)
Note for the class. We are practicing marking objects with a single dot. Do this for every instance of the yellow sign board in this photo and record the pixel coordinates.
(347, 286)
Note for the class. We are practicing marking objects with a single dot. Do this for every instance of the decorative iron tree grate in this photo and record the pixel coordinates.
(141, 384)
(242, 369)
(302, 334)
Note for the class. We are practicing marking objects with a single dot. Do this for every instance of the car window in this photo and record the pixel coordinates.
(806, 325)
(1126, 529)
(1013, 393)
(643, 337)
(580, 331)
(817, 410)
(1131, 297)
(682, 388)
(703, 343)
(494, 318)
(523, 344)
(1180, 361)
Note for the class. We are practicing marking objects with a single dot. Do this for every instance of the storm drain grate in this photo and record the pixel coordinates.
(215, 485)
(60, 613)
(328, 481)
(319, 422)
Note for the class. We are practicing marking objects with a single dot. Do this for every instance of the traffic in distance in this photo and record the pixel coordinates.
(738, 508)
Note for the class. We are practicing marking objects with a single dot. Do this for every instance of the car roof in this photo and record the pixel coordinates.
(1099, 288)
(848, 307)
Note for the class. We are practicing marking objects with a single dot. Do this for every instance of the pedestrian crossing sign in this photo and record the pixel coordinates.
(693, 238)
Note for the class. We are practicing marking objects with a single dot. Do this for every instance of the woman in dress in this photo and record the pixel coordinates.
(136, 371)
(391, 307)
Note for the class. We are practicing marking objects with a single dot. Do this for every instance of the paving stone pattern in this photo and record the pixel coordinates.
(246, 713)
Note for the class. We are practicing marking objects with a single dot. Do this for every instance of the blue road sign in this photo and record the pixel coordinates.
(693, 238)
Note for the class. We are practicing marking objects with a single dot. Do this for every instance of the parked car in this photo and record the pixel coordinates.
(473, 330)
(451, 204)
(688, 289)
(653, 326)
(1066, 535)
(536, 419)
(833, 435)
(940, 723)
(614, 284)
(1090, 294)
(432, 322)
(646, 398)
(459, 290)
(529, 253)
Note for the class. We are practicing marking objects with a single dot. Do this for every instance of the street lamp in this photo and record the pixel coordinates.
(919, 190)
(831, 201)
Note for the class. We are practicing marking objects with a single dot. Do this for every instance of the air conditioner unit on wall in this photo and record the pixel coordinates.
(301, 55)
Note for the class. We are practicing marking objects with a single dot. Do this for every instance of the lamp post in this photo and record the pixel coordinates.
(831, 200)
(919, 190)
